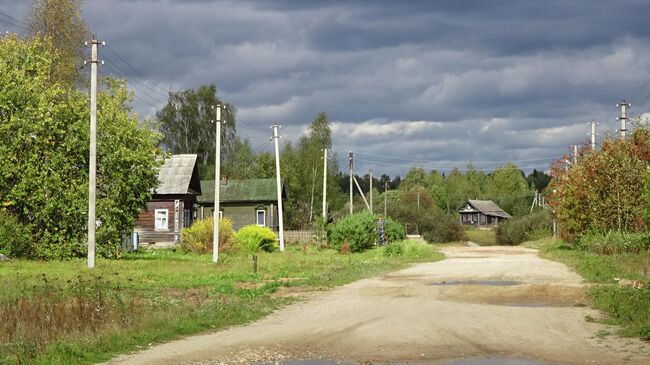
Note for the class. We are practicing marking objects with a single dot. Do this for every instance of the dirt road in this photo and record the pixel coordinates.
(430, 313)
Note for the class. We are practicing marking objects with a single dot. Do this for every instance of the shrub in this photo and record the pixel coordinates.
(252, 238)
(199, 237)
(434, 225)
(361, 232)
(14, 241)
(614, 242)
(518, 230)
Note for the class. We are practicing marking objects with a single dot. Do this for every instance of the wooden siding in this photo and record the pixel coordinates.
(242, 214)
(145, 224)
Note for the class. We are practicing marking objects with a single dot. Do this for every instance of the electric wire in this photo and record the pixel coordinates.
(388, 163)
(425, 160)
(136, 70)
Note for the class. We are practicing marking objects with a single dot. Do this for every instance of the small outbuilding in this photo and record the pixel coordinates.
(172, 205)
(250, 201)
(482, 213)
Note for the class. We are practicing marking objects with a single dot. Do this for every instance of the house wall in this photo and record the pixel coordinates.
(476, 219)
(242, 214)
(177, 218)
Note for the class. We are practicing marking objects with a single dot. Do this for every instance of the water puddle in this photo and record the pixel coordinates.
(477, 282)
(490, 361)
(497, 361)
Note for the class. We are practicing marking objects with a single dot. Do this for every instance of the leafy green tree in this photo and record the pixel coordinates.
(186, 123)
(538, 179)
(44, 155)
(61, 22)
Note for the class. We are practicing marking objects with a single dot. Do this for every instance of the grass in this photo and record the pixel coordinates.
(59, 312)
(624, 306)
(484, 237)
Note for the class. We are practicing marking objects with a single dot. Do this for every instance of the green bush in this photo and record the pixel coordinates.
(518, 230)
(613, 242)
(198, 238)
(433, 225)
(360, 230)
(625, 306)
(14, 241)
(252, 238)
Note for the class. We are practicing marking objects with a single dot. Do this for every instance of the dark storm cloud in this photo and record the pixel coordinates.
(434, 84)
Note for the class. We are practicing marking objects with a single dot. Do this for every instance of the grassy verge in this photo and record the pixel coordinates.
(624, 306)
(484, 237)
(62, 313)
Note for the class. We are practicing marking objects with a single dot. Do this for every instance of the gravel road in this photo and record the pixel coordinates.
(428, 313)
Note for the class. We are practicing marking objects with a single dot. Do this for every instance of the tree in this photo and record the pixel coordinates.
(44, 155)
(186, 123)
(61, 22)
(538, 179)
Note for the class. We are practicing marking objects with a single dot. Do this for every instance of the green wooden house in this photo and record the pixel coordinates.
(252, 201)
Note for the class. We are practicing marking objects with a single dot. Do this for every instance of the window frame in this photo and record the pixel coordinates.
(257, 216)
(158, 227)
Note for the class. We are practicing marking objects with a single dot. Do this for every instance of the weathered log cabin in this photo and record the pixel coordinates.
(172, 205)
(482, 213)
(252, 201)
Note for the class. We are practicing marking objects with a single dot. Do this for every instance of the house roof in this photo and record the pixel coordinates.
(250, 190)
(179, 175)
(487, 207)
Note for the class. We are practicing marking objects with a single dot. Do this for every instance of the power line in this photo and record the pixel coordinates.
(150, 102)
(136, 71)
(133, 82)
(388, 163)
(485, 161)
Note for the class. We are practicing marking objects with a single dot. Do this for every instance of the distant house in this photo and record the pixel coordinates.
(172, 205)
(482, 213)
(252, 201)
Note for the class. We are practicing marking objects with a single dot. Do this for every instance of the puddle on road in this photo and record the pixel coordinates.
(497, 361)
(476, 282)
(490, 361)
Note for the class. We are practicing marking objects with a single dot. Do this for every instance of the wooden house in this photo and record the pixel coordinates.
(482, 213)
(172, 205)
(252, 201)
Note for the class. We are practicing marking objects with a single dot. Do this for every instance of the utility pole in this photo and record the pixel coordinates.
(325, 185)
(593, 134)
(623, 118)
(575, 154)
(350, 164)
(371, 210)
(276, 137)
(217, 184)
(385, 190)
(92, 165)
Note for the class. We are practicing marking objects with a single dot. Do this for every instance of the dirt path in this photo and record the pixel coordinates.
(404, 317)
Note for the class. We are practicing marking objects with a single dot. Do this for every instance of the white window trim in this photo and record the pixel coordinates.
(257, 212)
(160, 227)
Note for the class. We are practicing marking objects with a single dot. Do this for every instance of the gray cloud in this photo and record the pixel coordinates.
(429, 83)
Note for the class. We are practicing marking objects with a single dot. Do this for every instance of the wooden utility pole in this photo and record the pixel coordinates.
(575, 154)
(593, 134)
(361, 193)
(371, 210)
(350, 164)
(92, 164)
(276, 137)
(623, 118)
(325, 185)
(217, 184)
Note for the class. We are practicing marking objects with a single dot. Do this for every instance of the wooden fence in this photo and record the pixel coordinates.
(298, 237)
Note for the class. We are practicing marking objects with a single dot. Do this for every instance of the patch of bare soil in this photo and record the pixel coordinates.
(533, 295)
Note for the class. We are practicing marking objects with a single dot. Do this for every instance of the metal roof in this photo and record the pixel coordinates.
(487, 207)
(179, 175)
(250, 190)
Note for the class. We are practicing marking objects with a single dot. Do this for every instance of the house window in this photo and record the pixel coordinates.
(161, 217)
(261, 217)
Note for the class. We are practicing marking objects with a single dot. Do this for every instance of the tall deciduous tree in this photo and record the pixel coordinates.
(44, 155)
(61, 22)
(187, 127)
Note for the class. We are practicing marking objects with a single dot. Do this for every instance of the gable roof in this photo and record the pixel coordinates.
(487, 207)
(179, 175)
(250, 190)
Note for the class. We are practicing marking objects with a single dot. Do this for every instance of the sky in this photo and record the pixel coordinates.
(433, 84)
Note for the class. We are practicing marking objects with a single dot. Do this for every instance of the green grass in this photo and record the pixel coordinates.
(483, 237)
(626, 307)
(59, 312)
